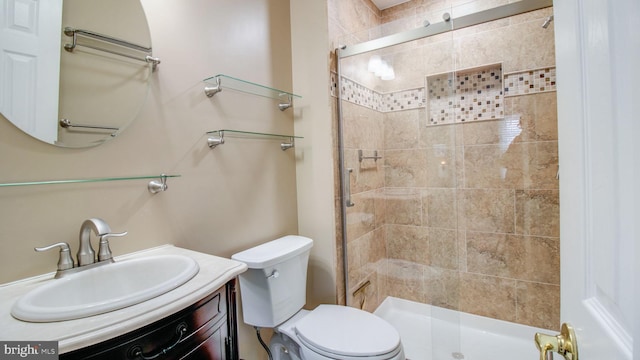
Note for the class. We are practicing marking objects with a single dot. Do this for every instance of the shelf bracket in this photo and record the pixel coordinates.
(212, 90)
(156, 186)
(286, 146)
(216, 140)
(285, 105)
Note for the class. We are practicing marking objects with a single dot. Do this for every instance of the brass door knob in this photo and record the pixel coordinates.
(564, 344)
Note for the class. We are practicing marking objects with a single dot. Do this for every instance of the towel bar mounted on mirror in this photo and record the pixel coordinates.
(146, 51)
(154, 186)
(66, 123)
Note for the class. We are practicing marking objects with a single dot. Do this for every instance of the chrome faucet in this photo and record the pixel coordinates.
(86, 255)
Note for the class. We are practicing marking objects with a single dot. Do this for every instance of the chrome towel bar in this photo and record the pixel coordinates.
(66, 123)
(375, 156)
(74, 33)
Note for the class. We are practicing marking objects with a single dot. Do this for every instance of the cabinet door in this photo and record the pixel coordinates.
(212, 348)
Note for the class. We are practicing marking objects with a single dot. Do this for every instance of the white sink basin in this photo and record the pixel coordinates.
(105, 288)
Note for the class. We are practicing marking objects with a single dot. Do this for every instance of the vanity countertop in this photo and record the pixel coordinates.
(75, 334)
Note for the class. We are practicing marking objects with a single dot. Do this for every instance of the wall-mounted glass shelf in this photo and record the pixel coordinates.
(217, 83)
(154, 185)
(216, 137)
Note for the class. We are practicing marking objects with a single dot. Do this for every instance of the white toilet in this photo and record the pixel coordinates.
(273, 292)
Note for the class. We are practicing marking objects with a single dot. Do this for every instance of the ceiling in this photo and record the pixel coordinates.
(385, 4)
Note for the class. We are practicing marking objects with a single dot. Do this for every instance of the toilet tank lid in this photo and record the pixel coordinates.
(274, 252)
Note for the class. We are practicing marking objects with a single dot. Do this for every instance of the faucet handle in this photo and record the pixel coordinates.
(65, 261)
(104, 252)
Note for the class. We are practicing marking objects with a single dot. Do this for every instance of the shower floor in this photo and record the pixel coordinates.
(432, 333)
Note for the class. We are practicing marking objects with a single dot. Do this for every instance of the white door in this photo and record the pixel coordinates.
(30, 37)
(597, 51)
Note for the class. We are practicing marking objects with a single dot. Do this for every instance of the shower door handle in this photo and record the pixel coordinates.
(347, 188)
(564, 344)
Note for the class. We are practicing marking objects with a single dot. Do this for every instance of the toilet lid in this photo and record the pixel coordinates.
(347, 331)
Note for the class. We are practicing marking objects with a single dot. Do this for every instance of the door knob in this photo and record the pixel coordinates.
(564, 344)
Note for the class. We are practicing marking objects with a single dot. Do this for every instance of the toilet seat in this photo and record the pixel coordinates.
(343, 332)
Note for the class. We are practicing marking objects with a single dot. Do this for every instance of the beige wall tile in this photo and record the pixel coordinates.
(538, 305)
(440, 136)
(488, 210)
(443, 166)
(363, 127)
(488, 296)
(541, 166)
(492, 166)
(514, 256)
(537, 114)
(526, 46)
(546, 120)
(361, 216)
(405, 280)
(443, 248)
(401, 129)
(483, 132)
(442, 287)
(538, 212)
(405, 168)
(439, 208)
(409, 243)
(403, 207)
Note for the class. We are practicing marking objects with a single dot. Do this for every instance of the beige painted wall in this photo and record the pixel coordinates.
(227, 199)
(315, 166)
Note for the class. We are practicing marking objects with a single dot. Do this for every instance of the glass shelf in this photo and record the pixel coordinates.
(240, 133)
(55, 182)
(218, 82)
(217, 137)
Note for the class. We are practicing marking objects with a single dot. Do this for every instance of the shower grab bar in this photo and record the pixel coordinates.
(347, 185)
(71, 32)
(375, 156)
(66, 123)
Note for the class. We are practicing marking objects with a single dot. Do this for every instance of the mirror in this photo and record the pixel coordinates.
(79, 97)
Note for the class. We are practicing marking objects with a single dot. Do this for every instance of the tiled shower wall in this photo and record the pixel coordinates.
(462, 215)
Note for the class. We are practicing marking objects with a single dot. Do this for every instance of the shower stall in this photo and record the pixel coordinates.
(448, 168)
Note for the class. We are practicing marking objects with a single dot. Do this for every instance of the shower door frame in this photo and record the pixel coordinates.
(342, 52)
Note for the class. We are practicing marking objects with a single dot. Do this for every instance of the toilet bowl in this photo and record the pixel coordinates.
(273, 291)
(336, 332)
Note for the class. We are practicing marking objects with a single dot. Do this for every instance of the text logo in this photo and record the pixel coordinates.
(32, 350)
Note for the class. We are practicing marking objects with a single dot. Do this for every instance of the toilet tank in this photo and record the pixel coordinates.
(274, 287)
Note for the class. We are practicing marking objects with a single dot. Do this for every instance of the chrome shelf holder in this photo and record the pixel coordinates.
(217, 137)
(212, 90)
(156, 186)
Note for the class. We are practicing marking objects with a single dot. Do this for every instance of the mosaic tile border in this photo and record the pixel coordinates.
(403, 100)
(530, 81)
(359, 94)
(467, 108)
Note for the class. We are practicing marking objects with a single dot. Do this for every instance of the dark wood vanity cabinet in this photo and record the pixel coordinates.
(204, 330)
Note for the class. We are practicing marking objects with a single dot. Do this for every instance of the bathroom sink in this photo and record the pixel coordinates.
(105, 288)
